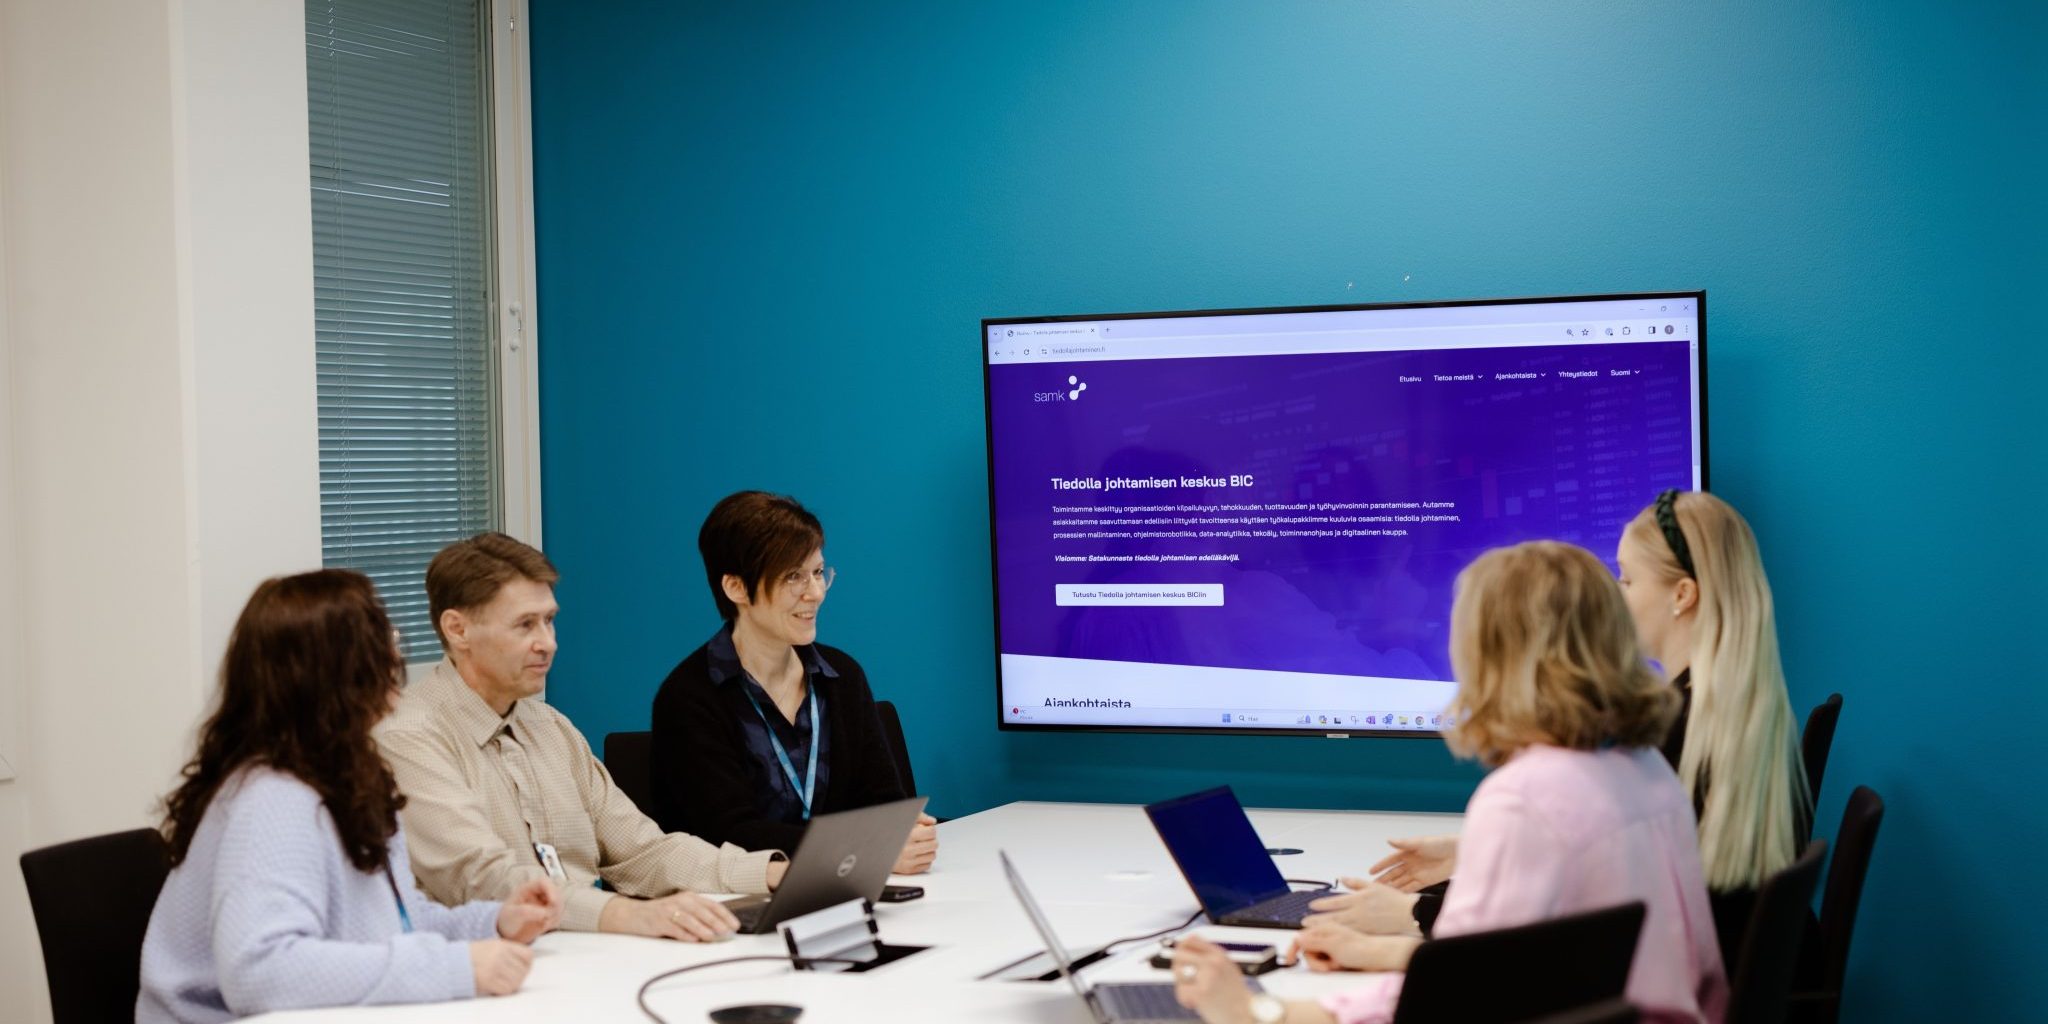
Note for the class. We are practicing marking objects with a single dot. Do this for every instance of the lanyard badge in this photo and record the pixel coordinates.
(551, 862)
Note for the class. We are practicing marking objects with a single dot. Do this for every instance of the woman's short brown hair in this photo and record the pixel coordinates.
(755, 536)
(1545, 652)
(467, 574)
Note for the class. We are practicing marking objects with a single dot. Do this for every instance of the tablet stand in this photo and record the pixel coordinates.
(846, 931)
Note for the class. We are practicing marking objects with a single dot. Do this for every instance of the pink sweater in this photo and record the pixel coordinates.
(1555, 832)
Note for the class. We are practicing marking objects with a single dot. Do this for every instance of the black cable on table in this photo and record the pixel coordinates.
(641, 997)
(1099, 953)
(1320, 887)
(1113, 943)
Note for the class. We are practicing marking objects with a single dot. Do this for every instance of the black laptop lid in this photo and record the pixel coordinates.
(1212, 841)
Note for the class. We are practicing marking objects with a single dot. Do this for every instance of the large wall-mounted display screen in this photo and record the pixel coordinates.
(1252, 520)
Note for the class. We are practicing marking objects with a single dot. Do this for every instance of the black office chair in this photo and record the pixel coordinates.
(892, 727)
(92, 899)
(629, 757)
(1608, 1011)
(1844, 893)
(1760, 982)
(1570, 965)
(1818, 739)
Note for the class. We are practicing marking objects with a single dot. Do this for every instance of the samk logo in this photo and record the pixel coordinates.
(1075, 385)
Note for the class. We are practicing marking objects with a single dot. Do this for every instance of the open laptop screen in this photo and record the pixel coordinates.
(1053, 946)
(1224, 860)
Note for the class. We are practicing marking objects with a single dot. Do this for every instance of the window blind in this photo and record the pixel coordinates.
(404, 268)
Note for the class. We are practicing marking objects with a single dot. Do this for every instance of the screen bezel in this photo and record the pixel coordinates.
(989, 440)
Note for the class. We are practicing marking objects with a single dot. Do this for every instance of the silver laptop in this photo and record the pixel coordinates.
(842, 856)
(1114, 1003)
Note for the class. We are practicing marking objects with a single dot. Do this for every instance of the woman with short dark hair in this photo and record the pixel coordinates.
(762, 727)
(290, 885)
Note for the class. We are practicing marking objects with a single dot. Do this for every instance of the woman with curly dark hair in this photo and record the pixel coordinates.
(290, 885)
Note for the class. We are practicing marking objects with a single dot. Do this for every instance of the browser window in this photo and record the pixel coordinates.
(1255, 520)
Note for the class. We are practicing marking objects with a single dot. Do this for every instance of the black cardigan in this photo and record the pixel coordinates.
(1731, 907)
(706, 783)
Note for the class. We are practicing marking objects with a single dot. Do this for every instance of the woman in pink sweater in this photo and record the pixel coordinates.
(1580, 812)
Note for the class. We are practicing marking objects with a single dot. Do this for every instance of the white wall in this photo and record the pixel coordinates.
(246, 227)
(16, 946)
(156, 355)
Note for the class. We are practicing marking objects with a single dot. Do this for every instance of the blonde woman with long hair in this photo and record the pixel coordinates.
(1702, 606)
(1579, 812)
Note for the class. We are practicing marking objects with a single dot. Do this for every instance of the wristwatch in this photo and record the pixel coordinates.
(1268, 1010)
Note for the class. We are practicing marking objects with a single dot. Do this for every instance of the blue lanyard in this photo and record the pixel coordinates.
(404, 918)
(809, 786)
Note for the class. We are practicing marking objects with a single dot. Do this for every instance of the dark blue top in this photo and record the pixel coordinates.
(782, 802)
(714, 774)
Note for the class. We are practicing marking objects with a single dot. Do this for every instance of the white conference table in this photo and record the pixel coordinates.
(1099, 871)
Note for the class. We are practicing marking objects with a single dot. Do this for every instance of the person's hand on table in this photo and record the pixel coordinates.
(1369, 907)
(498, 966)
(1417, 864)
(1205, 981)
(533, 908)
(920, 849)
(684, 916)
(1328, 946)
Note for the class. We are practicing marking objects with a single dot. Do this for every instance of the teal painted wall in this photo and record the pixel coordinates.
(766, 233)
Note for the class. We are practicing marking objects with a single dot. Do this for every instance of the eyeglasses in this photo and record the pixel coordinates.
(799, 582)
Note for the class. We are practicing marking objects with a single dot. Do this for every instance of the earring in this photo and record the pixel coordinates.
(1674, 613)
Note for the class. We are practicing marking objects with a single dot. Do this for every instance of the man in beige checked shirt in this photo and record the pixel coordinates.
(500, 788)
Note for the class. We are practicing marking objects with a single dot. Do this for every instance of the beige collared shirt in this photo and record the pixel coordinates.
(481, 790)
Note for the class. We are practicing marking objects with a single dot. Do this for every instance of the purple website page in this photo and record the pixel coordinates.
(1272, 541)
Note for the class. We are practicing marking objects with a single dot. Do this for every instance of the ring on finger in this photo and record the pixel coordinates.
(1188, 972)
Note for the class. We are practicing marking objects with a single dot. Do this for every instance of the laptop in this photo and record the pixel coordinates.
(843, 856)
(1226, 863)
(1110, 1003)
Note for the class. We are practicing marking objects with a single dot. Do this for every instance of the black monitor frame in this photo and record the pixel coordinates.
(988, 413)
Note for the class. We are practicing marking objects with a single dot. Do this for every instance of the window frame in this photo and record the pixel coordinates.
(514, 387)
(517, 365)
(518, 352)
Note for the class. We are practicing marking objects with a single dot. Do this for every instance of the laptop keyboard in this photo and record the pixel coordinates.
(749, 910)
(1143, 1002)
(1285, 909)
(1137, 1003)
